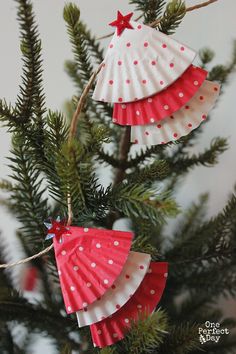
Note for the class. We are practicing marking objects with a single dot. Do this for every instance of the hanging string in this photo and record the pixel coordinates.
(72, 133)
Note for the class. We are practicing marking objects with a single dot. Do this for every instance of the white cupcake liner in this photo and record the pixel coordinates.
(182, 122)
(126, 284)
(140, 63)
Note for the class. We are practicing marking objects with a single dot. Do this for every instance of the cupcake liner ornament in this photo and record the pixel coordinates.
(139, 63)
(164, 103)
(126, 284)
(142, 303)
(88, 261)
(182, 122)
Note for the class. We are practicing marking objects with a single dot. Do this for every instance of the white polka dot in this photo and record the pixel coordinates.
(85, 304)
(76, 268)
(116, 243)
(69, 308)
(152, 120)
(89, 285)
(123, 106)
(114, 120)
(126, 320)
(195, 83)
(86, 229)
(137, 113)
(152, 292)
(150, 270)
(63, 252)
(139, 306)
(166, 107)
(93, 265)
(115, 335)
(81, 248)
(105, 281)
(110, 261)
(72, 288)
(166, 275)
(59, 272)
(99, 331)
(181, 94)
(149, 100)
(98, 245)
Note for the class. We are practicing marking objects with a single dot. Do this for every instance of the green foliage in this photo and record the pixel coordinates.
(172, 17)
(150, 9)
(45, 170)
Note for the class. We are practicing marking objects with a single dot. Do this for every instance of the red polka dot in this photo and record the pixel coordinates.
(172, 117)
(172, 65)
(98, 298)
(118, 307)
(85, 309)
(186, 107)
(136, 62)
(103, 65)
(175, 135)
(141, 267)
(162, 143)
(111, 82)
(146, 133)
(182, 48)
(161, 82)
(154, 62)
(120, 99)
(164, 45)
(119, 62)
(128, 44)
(113, 287)
(144, 81)
(146, 44)
(127, 276)
(128, 81)
(136, 141)
(201, 98)
(215, 88)
(111, 46)
(139, 27)
(190, 125)
(204, 116)
(159, 126)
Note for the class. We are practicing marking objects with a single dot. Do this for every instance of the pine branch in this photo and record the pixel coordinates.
(172, 17)
(137, 200)
(156, 171)
(151, 9)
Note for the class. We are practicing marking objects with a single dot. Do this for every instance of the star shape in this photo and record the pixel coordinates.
(122, 22)
(56, 228)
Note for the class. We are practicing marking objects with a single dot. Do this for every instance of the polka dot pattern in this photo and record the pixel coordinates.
(170, 61)
(85, 262)
(164, 103)
(144, 299)
(116, 296)
(180, 123)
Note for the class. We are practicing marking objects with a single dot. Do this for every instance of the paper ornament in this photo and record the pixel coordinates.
(29, 278)
(182, 122)
(142, 303)
(124, 286)
(164, 103)
(88, 261)
(139, 63)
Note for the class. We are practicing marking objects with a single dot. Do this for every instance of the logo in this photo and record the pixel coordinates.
(211, 332)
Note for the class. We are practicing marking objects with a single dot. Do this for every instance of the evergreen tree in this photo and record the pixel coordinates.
(44, 168)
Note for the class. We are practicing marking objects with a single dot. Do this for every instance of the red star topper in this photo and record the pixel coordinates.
(122, 22)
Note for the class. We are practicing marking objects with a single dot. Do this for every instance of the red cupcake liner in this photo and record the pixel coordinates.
(88, 262)
(143, 301)
(163, 104)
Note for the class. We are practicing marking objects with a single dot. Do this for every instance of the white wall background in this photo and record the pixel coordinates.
(213, 26)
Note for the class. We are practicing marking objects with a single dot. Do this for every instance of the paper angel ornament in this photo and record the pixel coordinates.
(140, 304)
